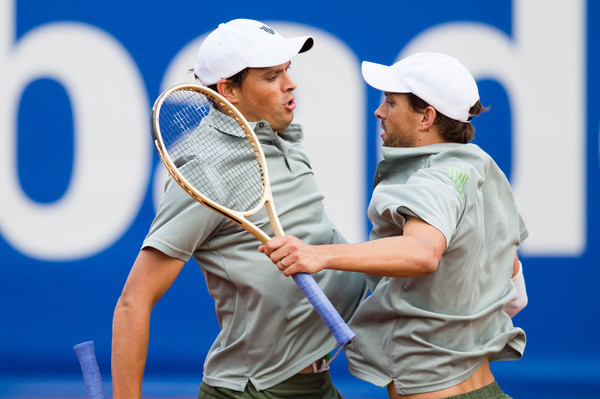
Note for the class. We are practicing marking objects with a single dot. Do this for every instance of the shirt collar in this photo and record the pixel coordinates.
(293, 133)
(399, 153)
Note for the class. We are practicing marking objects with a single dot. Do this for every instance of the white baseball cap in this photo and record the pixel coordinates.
(244, 43)
(438, 79)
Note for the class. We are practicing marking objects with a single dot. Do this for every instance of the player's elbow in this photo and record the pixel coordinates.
(123, 303)
(426, 245)
(427, 260)
(130, 304)
(123, 308)
(428, 265)
(128, 316)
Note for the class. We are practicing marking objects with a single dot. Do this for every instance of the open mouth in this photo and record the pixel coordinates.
(290, 105)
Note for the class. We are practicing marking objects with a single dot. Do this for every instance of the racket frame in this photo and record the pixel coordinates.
(229, 109)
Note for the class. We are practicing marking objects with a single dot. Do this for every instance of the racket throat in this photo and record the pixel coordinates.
(273, 218)
(256, 232)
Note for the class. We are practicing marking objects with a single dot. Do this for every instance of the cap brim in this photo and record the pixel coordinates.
(283, 51)
(381, 77)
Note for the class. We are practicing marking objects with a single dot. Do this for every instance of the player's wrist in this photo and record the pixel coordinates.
(517, 304)
(334, 256)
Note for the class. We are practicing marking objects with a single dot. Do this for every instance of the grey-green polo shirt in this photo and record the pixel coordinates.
(430, 333)
(269, 330)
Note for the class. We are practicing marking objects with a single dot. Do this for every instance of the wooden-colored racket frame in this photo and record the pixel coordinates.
(238, 217)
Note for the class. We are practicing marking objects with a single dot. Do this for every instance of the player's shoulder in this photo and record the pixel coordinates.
(468, 157)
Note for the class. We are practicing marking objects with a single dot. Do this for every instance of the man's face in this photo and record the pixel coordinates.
(399, 121)
(266, 94)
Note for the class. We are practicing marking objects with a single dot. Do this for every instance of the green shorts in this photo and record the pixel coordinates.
(491, 391)
(305, 386)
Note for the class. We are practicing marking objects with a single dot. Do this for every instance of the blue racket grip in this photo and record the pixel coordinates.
(324, 308)
(91, 372)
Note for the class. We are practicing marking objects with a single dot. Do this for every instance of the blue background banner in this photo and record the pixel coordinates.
(79, 179)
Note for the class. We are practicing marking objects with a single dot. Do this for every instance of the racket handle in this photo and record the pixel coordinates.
(324, 308)
(91, 372)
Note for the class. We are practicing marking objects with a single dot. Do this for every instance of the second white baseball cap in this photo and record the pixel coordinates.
(244, 43)
(436, 78)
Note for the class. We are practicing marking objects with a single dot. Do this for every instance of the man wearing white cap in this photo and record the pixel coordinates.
(272, 343)
(443, 247)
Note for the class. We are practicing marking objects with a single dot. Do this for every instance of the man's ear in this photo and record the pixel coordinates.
(429, 115)
(225, 89)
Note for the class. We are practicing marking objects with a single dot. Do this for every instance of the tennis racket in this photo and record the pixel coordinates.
(91, 372)
(210, 150)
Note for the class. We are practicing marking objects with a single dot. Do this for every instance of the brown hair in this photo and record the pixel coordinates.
(450, 129)
(235, 80)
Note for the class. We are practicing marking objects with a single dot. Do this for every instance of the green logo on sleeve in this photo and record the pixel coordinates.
(459, 177)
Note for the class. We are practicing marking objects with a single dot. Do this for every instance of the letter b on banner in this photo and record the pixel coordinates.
(112, 156)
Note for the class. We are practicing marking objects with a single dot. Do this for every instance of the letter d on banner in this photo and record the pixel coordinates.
(542, 69)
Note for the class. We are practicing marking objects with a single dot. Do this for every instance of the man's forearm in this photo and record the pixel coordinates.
(129, 350)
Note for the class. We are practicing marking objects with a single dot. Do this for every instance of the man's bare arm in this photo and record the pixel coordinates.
(152, 274)
(415, 253)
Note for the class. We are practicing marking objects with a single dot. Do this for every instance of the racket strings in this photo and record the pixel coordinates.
(212, 152)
